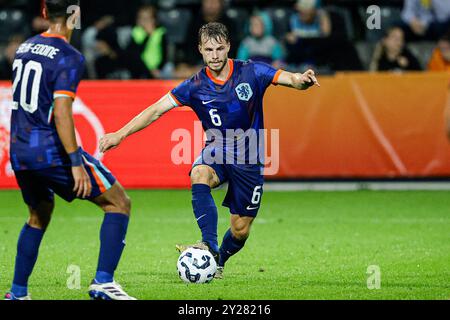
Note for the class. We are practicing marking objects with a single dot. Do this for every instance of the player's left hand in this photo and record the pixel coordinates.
(309, 79)
(82, 183)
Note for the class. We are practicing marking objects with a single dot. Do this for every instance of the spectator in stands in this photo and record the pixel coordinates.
(124, 12)
(312, 41)
(211, 11)
(7, 60)
(147, 52)
(426, 19)
(391, 53)
(440, 60)
(309, 25)
(260, 45)
(89, 43)
(310, 21)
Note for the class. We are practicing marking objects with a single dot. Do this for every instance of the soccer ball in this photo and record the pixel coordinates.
(196, 266)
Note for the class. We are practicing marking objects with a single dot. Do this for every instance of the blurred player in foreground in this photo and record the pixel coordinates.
(226, 95)
(46, 158)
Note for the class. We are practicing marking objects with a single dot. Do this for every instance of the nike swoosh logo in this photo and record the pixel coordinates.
(208, 102)
(201, 217)
(252, 208)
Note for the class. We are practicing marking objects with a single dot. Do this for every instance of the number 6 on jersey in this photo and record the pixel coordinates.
(215, 118)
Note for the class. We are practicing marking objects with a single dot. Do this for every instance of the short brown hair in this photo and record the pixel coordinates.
(214, 30)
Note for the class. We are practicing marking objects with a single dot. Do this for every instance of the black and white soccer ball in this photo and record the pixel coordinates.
(196, 266)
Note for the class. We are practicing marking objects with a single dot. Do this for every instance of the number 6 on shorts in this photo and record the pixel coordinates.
(256, 195)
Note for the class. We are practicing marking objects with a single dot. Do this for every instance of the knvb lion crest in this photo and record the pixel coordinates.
(88, 125)
(244, 92)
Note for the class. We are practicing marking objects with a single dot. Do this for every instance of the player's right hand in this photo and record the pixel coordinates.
(109, 141)
(83, 186)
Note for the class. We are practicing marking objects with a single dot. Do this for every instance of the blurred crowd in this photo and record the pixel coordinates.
(157, 39)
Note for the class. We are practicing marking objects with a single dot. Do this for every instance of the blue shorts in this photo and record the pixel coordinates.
(41, 185)
(245, 186)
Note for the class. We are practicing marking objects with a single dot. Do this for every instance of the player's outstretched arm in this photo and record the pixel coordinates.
(300, 81)
(66, 132)
(141, 121)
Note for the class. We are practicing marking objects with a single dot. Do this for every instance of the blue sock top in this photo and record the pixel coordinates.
(200, 187)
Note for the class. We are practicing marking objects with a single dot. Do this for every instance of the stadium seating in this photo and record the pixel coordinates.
(239, 18)
(280, 19)
(341, 21)
(12, 21)
(124, 36)
(170, 4)
(348, 19)
(423, 51)
(365, 51)
(176, 21)
(389, 16)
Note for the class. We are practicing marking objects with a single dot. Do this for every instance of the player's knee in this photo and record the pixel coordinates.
(114, 200)
(39, 220)
(40, 217)
(124, 204)
(201, 174)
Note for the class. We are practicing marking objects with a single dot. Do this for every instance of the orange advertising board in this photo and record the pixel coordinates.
(353, 126)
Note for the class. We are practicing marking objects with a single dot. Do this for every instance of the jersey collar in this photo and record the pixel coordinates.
(217, 81)
(51, 35)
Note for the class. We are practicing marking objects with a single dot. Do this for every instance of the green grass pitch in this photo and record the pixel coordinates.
(304, 245)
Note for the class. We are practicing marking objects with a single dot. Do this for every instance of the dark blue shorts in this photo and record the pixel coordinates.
(41, 185)
(245, 186)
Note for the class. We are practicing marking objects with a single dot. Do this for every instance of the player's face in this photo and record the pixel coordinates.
(215, 53)
(257, 27)
(395, 40)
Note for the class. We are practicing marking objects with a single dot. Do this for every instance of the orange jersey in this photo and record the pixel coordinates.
(437, 62)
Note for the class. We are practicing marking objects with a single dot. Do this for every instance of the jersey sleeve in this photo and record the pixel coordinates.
(68, 76)
(266, 74)
(181, 95)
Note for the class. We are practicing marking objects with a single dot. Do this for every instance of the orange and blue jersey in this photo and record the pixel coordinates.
(238, 100)
(45, 67)
(233, 104)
